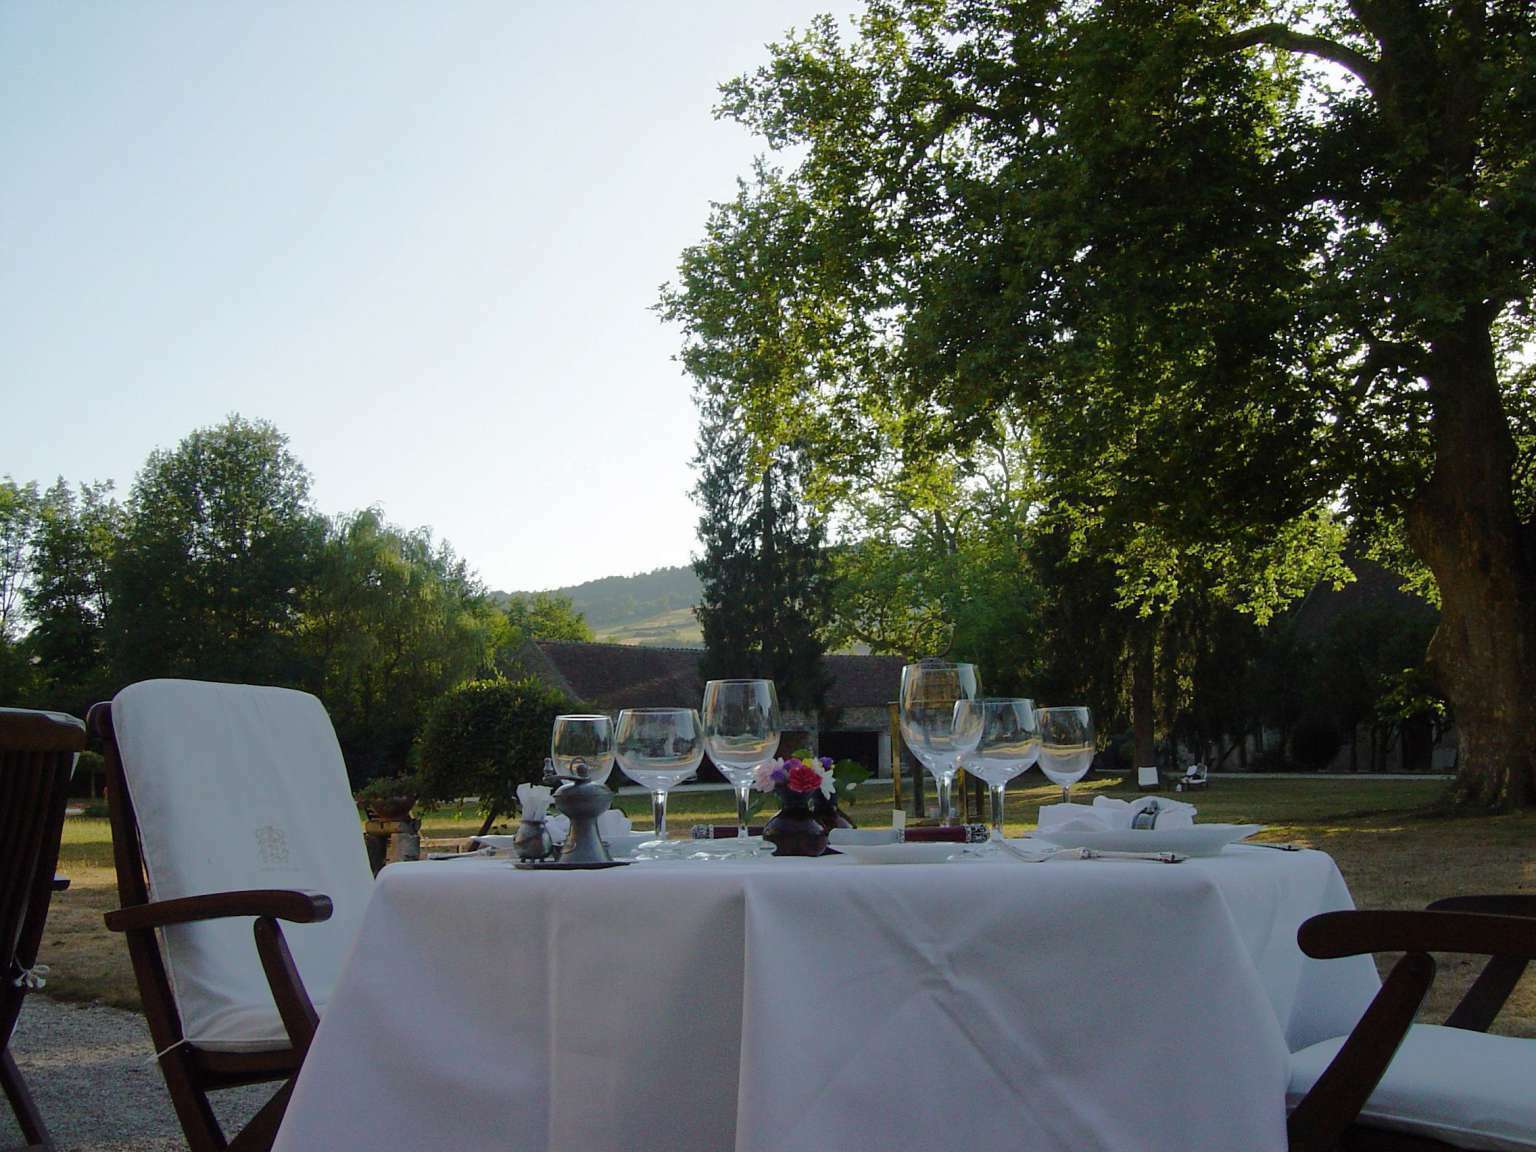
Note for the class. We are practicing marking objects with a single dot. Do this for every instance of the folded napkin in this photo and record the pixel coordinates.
(722, 831)
(558, 826)
(863, 836)
(951, 834)
(499, 843)
(533, 801)
(612, 823)
(1106, 814)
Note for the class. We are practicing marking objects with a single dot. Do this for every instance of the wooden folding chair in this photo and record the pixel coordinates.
(37, 755)
(248, 783)
(1393, 1084)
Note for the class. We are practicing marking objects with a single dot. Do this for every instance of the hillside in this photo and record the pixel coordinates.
(654, 608)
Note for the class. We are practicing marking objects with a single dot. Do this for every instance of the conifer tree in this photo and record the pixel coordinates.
(764, 571)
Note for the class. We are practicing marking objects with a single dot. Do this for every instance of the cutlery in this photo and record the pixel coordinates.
(1088, 854)
(1277, 847)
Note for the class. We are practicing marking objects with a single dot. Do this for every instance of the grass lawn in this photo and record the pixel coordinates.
(1394, 848)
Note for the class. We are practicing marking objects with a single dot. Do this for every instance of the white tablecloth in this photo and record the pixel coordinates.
(788, 1005)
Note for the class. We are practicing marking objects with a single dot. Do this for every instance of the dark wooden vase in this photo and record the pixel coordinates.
(830, 815)
(795, 831)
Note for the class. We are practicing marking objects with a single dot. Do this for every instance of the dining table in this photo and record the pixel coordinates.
(792, 1004)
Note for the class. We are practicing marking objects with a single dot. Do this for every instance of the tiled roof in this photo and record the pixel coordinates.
(613, 676)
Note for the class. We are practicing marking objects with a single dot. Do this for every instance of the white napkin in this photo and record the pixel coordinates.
(1107, 814)
(863, 836)
(499, 843)
(612, 823)
(533, 800)
(558, 825)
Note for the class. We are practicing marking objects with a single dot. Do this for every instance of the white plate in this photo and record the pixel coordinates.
(900, 853)
(1200, 840)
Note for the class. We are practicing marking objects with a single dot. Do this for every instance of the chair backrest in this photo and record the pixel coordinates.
(234, 787)
(1147, 777)
(37, 755)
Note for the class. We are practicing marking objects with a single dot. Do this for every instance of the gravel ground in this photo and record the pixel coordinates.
(92, 1072)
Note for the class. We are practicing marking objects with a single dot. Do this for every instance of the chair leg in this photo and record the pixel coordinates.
(32, 1127)
(261, 1132)
(198, 1123)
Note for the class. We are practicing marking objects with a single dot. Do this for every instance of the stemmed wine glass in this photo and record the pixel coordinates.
(741, 730)
(659, 748)
(1066, 746)
(583, 740)
(929, 691)
(1000, 739)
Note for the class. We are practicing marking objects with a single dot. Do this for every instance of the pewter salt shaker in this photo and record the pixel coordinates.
(583, 801)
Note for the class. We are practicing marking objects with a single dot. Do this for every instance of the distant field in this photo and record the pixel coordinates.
(676, 628)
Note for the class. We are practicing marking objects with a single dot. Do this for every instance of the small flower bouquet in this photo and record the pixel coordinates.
(799, 784)
(792, 778)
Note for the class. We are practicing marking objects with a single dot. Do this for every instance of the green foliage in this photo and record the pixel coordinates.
(486, 737)
(391, 621)
(18, 521)
(77, 541)
(545, 616)
(220, 542)
(764, 570)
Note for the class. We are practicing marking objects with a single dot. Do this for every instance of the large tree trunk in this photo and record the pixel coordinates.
(1463, 525)
(1143, 677)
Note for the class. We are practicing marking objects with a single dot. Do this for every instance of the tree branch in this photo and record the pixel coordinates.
(1289, 40)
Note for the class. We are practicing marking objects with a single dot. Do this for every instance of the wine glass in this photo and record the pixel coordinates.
(659, 748)
(1000, 739)
(929, 691)
(1066, 746)
(741, 730)
(582, 740)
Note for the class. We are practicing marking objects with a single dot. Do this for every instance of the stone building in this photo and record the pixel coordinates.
(855, 724)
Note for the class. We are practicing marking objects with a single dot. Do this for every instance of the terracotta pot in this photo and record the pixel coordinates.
(390, 808)
(795, 831)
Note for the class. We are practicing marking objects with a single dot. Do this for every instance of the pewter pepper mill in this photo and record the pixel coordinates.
(582, 801)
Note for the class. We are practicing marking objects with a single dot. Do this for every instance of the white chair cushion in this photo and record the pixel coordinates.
(1468, 1089)
(239, 787)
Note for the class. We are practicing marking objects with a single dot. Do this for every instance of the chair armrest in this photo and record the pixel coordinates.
(1514, 904)
(1335, 934)
(279, 903)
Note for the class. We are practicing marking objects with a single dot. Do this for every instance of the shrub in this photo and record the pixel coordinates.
(486, 737)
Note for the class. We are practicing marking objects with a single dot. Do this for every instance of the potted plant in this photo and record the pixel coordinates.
(388, 797)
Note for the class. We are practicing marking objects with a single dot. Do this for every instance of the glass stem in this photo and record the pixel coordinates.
(946, 799)
(997, 811)
(743, 802)
(1066, 793)
(659, 812)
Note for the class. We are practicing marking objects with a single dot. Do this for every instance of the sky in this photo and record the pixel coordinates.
(422, 239)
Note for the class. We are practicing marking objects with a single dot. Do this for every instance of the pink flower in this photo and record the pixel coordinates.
(769, 775)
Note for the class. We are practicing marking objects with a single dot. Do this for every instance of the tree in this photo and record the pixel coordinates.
(764, 569)
(390, 622)
(220, 542)
(546, 616)
(486, 737)
(1236, 271)
(69, 600)
(18, 523)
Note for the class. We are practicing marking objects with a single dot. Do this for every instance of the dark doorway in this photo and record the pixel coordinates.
(861, 746)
